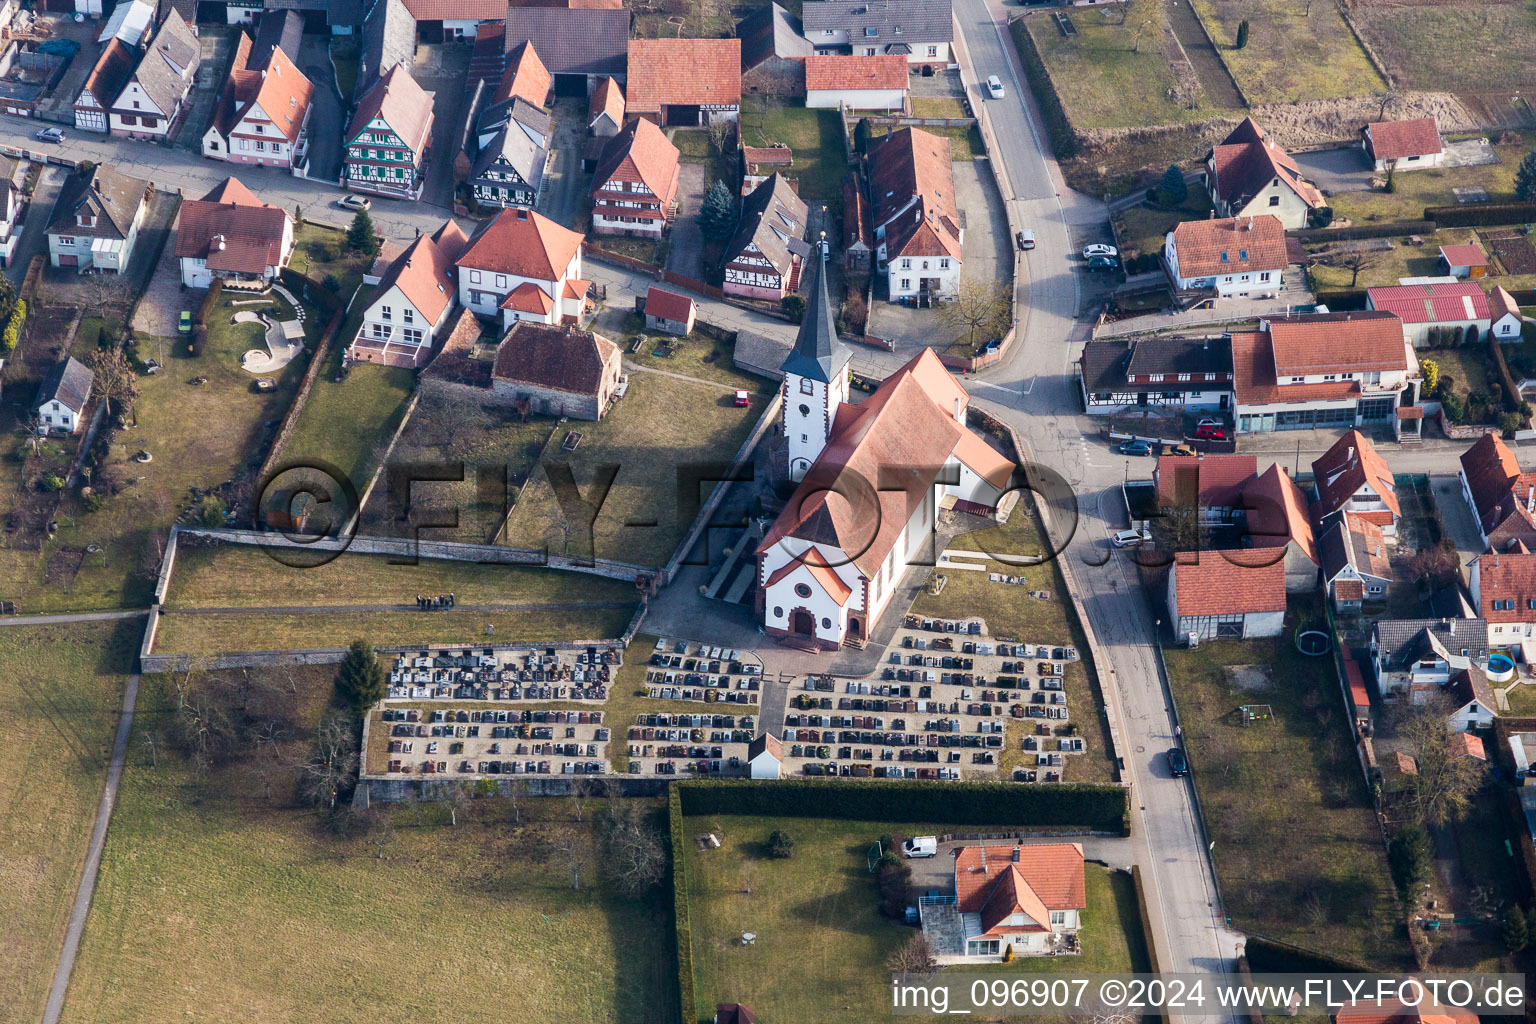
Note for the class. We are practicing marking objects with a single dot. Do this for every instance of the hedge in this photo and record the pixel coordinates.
(1345, 300)
(310, 290)
(1267, 956)
(1063, 139)
(1511, 389)
(1392, 229)
(211, 300)
(687, 997)
(1071, 805)
(1481, 214)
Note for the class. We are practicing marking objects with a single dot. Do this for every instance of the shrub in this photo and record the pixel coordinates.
(199, 340)
(1455, 408)
(1509, 422)
(331, 283)
(93, 502)
(1172, 189)
(322, 252)
(1431, 372)
(53, 482)
(210, 512)
(1242, 34)
(894, 879)
(22, 451)
(1320, 217)
(793, 305)
(781, 845)
(1525, 177)
(1410, 859)
(1515, 930)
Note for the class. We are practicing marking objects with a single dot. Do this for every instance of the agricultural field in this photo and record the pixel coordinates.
(817, 920)
(1295, 51)
(1455, 48)
(61, 702)
(212, 884)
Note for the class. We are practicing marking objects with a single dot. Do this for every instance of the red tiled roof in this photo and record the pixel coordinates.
(282, 92)
(1312, 343)
(528, 298)
(1051, 873)
(1209, 481)
(457, 10)
(424, 272)
(1234, 245)
(1468, 254)
(768, 156)
(668, 305)
(1393, 140)
(525, 243)
(815, 563)
(1506, 576)
(1351, 464)
(1432, 303)
(1277, 513)
(1247, 160)
(1217, 585)
(404, 106)
(683, 72)
(1358, 695)
(607, 98)
(906, 163)
(643, 153)
(232, 230)
(1464, 744)
(1498, 488)
(1500, 303)
(885, 72)
(1349, 590)
(111, 72)
(525, 76)
(1253, 376)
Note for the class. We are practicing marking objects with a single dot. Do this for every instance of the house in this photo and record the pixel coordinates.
(1139, 373)
(96, 220)
(1215, 595)
(411, 303)
(669, 312)
(277, 30)
(389, 38)
(1009, 901)
(578, 45)
(62, 397)
(1455, 305)
(526, 79)
(444, 21)
(1355, 566)
(1352, 477)
(10, 220)
(1402, 145)
(773, 53)
(684, 83)
(262, 116)
(1471, 699)
(152, 101)
(765, 757)
(103, 85)
(605, 110)
(828, 569)
(523, 266)
(764, 256)
(1501, 496)
(734, 1013)
(1275, 518)
(232, 235)
(1503, 586)
(857, 83)
(919, 30)
(509, 170)
(386, 143)
(1508, 322)
(635, 183)
(1248, 174)
(1211, 485)
(918, 228)
(1237, 256)
(1322, 370)
(1416, 657)
(557, 370)
(1466, 260)
(1428, 1011)
(858, 233)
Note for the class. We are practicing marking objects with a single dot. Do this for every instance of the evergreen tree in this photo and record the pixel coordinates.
(1515, 930)
(1525, 178)
(717, 215)
(1242, 34)
(1172, 189)
(1409, 857)
(361, 680)
(360, 237)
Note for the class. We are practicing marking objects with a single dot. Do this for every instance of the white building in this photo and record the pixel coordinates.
(262, 116)
(1352, 477)
(96, 220)
(1503, 586)
(523, 266)
(10, 221)
(918, 237)
(918, 30)
(1447, 303)
(857, 83)
(1248, 174)
(831, 562)
(1402, 145)
(1237, 256)
(231, 235)
(153, 99)
(1009, 901)
(412, 303)
(1507, 318)
(1215, 595)
(1417, 657)
(765, 757)
(62, 397)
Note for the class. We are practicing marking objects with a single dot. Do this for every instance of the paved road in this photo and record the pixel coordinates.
(87, 888)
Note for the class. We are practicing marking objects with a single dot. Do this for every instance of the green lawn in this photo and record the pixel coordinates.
(1010, 611)
(1415, 190)
(1103, 79)
(348, 424)
(216, 903)
(661, 425)
(1144, 229)
(964, 143)
(1298, 852)
(814, 136)
(60, 703)
(818, 922)
(319, 250)
(1522, 700)
(1295, 51)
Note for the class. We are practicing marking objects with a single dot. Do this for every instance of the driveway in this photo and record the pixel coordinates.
(1336, 170)
(563, 194)
(1456, 520)
(327, 111)
(34, 225)
(163, 300)
(686, 253)
(440, 69)
(212, 70)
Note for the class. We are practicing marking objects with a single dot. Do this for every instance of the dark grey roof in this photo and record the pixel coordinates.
(68, 383)
(496, 116)
(817, 354)
(337, 12)
(1341, 546)
(1107, 364)
(514, 146)
(771, 32)
(174, 46)
(881, 22)
(572, 42)
(111, 196)
(389, 38)
(277, 30)
(773, 217)
(1401, 641)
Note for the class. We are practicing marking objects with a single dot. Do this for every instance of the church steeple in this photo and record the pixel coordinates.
(815, 373)
(817, 353)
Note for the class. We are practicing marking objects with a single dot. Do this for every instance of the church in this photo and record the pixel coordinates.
(873, 478)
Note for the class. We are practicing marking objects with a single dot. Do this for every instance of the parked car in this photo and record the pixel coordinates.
(1026, 239)
(184, 322)
(1180, 449)
(920, 846)
(1099, 249)
(1131, 538)
(742, 401)
(1096, 263)
(995, 86)
(1178, 764)
(1135, 448)
(49, 135)
(1210, 432)
(352, 202)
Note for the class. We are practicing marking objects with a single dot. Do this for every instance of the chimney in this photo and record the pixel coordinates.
(1351, 456)
(1453, 627)
(1015, 854)
(1530, 498)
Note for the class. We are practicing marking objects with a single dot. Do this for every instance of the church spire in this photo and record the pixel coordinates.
(817, 354)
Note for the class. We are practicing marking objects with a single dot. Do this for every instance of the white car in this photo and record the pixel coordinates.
(49, 135)
(1131, 538)
(1097, 249)
(354, 202)
(920, 846)
(995, 86)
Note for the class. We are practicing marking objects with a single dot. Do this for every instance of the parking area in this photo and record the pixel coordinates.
(1336, 170)
(686, 252)
(163, 300)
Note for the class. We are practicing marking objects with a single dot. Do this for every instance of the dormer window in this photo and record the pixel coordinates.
(1242, 254)
(1223, 256)
(86, 219)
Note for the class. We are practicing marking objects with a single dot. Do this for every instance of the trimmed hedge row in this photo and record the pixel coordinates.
(211, 300)
(1072, 805)
(1345, 300)
(1267, 956)
(1511, 389)
(1063, 139)
(1391, 229)
(1481, 215)
(687, 997)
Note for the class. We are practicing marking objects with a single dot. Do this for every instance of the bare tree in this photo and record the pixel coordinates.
(381, 830)
(149, 742)
(637, 856)
(115, 379)
(1440, 791)
(334, 761)
(580, 791)
(513, 792)
(266, 761)
(577, 859)
(748, 878)
(1358, 259)
(915, 956)
(980, 309)
(458, 797)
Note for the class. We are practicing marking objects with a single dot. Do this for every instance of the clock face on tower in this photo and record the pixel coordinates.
(805, 410)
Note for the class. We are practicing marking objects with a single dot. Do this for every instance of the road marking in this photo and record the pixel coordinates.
(1012, 391)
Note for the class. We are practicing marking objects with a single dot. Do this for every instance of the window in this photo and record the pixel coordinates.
(925, 264)
(380, 331)
(944, 263)
(128, 119)
(1224, 256)
(802, 590)
(826, 623)
(149, 122)
(933, 51)
(806, 388)
(906, 284)
(1154, 377)
(1264, 276)
(1297, 380)
(501, 280)
(386, 313)
(1330, 376)
(412, 337)
(1374, 590)
(1183, 376)
(408, 315)
(804, 438)
(1058, 917)
(778, 612)
(981, 947)
(260, 145)
(474, 277)
(1274, 200)
(906, 264)
(1242, 254)
(66, 240)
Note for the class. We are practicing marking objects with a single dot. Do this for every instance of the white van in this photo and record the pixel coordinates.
(920, 846)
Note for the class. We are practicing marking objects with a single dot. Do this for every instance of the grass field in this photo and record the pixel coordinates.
(320, 250)
(1103, 80)
(1298, 852)
(214, 903)
(63, 694)
(1295, 51)
(1483, 47)
(1414, 190)
(663, 424)
(348, 424)
(817, 920)
(813, 135)
(1522, 700)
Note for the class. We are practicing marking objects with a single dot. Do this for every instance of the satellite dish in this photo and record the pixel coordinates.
(79, 17)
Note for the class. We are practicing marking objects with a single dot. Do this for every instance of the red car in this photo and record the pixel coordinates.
(1210, 432)
(742, 400)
